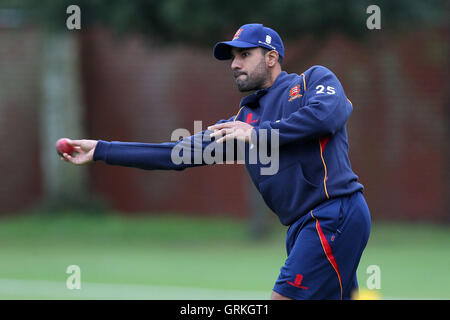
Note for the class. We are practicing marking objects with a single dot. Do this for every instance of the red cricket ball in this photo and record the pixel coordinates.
(63, 146)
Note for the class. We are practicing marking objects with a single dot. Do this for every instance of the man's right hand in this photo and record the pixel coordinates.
(84, 151)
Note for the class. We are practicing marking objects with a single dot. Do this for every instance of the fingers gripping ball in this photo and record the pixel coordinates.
(63, 146)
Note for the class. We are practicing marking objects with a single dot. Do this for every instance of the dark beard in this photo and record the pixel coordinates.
(255, 81)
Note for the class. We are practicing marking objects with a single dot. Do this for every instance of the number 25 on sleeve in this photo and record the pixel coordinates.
(320, 89)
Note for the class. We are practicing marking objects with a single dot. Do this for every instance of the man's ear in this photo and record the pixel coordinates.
(272, 58)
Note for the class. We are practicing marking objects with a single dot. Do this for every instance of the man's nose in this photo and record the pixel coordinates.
(236, 64)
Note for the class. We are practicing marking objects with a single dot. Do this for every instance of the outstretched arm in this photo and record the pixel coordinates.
(150, 156)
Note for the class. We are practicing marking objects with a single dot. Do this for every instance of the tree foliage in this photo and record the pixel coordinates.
(203, 21)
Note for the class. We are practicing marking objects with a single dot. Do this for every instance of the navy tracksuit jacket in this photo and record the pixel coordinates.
(307, 112)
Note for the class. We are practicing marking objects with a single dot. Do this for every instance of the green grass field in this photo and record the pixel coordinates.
(194, 258)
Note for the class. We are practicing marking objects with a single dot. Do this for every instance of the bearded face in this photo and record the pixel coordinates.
(249, 68)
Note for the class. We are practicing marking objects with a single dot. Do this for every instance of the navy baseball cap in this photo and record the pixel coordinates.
(250, 36)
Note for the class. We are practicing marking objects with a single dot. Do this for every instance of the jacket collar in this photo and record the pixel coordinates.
(252, 99)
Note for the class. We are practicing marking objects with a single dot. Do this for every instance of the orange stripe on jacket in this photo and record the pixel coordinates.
(304, 81)
(235, 117)
(327, 249)
(322, 143)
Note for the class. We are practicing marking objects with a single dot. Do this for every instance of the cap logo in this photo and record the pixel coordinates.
(268, 39)
(237, 34)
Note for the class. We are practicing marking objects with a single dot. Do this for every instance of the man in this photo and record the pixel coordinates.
(314, 191)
